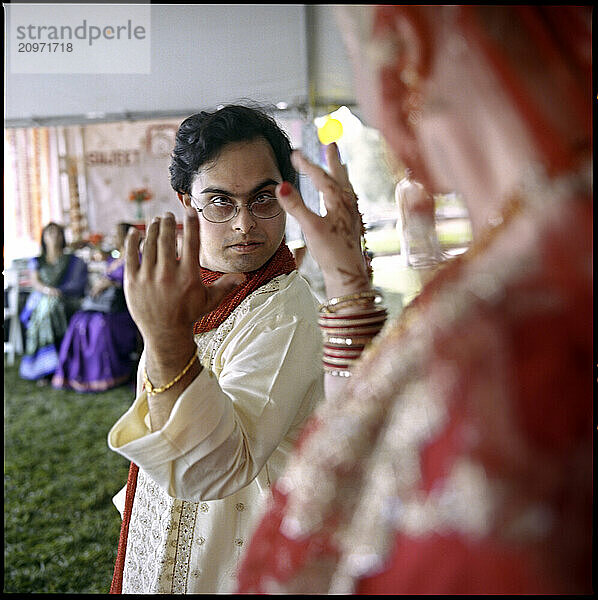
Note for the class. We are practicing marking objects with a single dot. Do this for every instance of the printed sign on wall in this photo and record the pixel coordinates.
(127, 172)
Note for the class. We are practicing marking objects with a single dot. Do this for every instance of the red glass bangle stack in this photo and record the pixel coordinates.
(346, 335)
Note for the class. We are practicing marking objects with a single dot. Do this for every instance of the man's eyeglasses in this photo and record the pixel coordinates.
(220, 210)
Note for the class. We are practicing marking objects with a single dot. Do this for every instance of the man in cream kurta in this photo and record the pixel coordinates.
(203, 476)
(207, 439)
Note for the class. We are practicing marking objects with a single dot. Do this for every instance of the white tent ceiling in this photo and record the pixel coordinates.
(201, 56)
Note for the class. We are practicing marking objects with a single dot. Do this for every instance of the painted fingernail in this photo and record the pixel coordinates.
(285, 188)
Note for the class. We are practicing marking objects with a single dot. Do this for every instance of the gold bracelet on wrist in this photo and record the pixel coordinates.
(358, 299)
(152, 391)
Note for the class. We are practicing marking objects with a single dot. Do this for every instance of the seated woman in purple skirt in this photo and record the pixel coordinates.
(97, 352)
(58, 281)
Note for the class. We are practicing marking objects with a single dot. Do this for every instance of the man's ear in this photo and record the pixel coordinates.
(185, 199)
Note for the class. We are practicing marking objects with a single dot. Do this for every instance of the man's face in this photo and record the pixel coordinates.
(243, 172)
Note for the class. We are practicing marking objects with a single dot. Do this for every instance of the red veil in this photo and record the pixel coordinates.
(459, 458)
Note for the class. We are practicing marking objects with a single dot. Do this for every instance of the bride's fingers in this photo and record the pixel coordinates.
(338, 170)
(292, 202)
(324, 182)
(332, 190)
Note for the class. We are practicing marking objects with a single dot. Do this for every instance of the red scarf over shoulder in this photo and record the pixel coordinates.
(281, 263)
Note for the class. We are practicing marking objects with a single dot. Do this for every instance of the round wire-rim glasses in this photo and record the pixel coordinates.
(229, 210)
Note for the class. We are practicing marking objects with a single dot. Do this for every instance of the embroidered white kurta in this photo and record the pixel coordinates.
(204, 476)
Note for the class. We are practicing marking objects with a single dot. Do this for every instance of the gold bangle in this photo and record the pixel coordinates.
(150, 389)
(359, 298)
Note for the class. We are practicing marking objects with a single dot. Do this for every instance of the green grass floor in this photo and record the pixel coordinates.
(60, 526)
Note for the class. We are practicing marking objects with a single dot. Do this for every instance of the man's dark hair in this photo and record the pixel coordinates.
(201, 138)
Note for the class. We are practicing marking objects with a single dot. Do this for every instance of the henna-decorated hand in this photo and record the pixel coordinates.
(334, 240)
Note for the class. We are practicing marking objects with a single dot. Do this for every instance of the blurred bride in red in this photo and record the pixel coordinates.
(457, 456)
